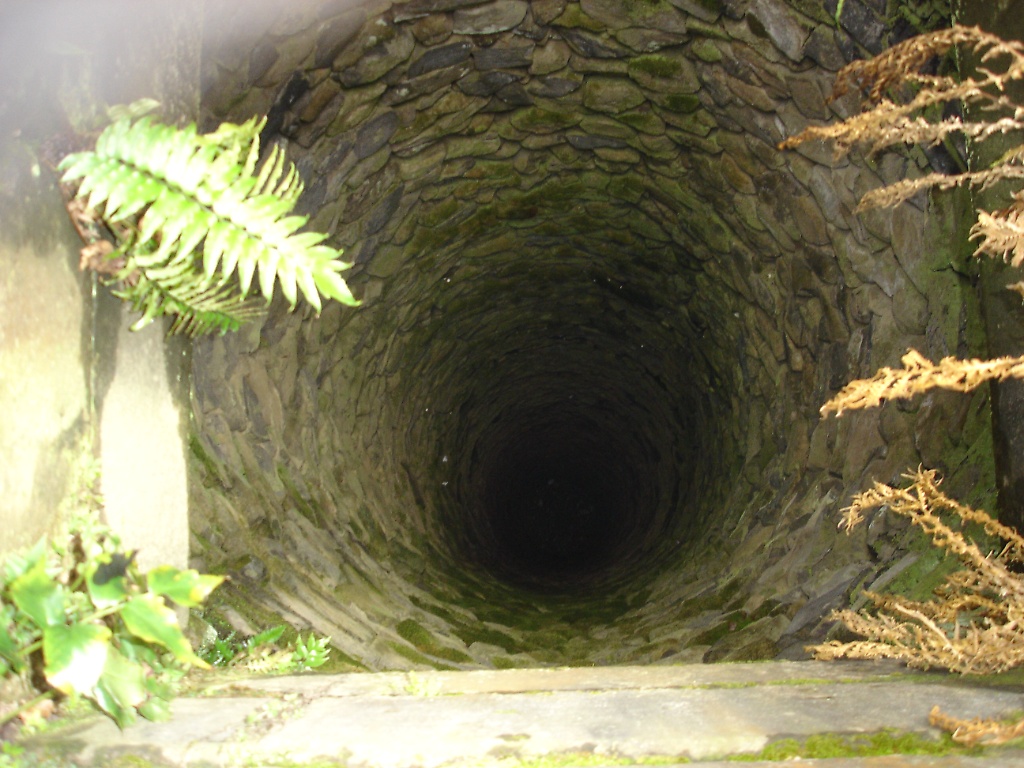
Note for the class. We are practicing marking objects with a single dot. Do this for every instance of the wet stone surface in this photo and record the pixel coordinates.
(694, 713)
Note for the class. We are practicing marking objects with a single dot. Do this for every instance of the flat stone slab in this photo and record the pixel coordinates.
(429, 719)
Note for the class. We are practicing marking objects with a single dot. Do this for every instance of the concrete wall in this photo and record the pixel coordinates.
(75, 386)
(44, 335)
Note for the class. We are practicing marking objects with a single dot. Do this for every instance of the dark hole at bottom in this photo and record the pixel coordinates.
(556, 507)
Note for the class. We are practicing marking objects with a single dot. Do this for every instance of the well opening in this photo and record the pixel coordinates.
(575, 421)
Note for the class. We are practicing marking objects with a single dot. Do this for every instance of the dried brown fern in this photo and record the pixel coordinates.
(976, 732)
(905, 102)
(906, 105)
(975, 622)
(919, 375)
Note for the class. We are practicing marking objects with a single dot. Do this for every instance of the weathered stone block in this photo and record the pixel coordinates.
(384, 54)
(553, 87)
(440, 58)
(649, 40)
(375, 133)
(337, 34)
(504, 57)
(786, 29)
(706, 50)
(705, 10)
(489, 18)
(416, 9)
(549, 57)
(594, 46)
(543, 119)
(822, 47)
(612, 95)
(669, 72)
(432, 30)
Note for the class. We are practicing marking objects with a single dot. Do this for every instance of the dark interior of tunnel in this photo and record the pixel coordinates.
(556, 501)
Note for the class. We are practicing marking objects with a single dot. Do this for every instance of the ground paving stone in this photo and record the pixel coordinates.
(426, 719)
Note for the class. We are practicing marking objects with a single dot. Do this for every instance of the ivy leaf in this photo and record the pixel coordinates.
(8, 650)
(16, 565)
(16, 634)
(121, 688)
(38, 596)
(75, 656)
(148, 618)
(116, 565)
(155, 709)
(106, 580)
(186, 588)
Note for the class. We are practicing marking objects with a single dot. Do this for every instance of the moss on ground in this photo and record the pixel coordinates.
(831, 745)
(584, 759)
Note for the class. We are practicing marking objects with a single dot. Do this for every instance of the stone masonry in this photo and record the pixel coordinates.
(575, 239)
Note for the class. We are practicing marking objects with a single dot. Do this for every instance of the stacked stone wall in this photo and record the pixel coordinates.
(573, 213)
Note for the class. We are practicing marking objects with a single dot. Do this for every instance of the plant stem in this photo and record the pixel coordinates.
(4, 719)
(101, 614)
(30, 649)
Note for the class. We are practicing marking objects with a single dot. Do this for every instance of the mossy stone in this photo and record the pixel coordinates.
(706, 51)
(656, 65)
(544, 120)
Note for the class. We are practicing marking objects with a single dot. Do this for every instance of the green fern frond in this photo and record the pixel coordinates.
(198, 306)
(204, 216)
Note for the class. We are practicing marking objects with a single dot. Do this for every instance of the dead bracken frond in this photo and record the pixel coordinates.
(976, 732)
(1002, 231)
(906, 102)
(903, 190)
(976, 623)
(919, 375)
(908, 105)
(903, 63)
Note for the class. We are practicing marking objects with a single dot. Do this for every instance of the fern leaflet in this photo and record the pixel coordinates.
(198, 217)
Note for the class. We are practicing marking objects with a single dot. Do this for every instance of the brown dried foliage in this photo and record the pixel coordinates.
(975, 622)
(905, 105)
(976, 732)
(919, 375)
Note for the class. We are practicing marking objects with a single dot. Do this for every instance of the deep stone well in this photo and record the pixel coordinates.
(576, 419)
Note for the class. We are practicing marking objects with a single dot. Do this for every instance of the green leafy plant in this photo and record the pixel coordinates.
(79, 618)
(261, 653)
(183, 221)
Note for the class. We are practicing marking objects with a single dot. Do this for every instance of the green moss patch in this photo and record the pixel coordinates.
(418, 658)
(421, 638)
(574, 18)
(581, 759)
(684, 103)
(479, 634)
(858, 745)
(655, 65)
